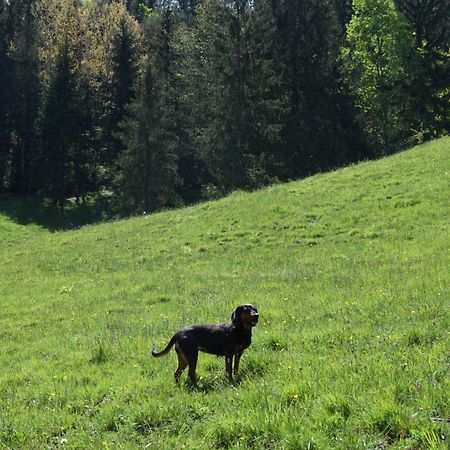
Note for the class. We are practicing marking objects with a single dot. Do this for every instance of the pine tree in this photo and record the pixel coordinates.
(162, 31)
(344, 12)
(58, 132)
(232, 81)
(148, 177)
(120, 92)
(428, 87)
(26, 101)
(216, 69)
(267, 102)
(18, 92)
(315, 133)
(6, 83)
(85, 153)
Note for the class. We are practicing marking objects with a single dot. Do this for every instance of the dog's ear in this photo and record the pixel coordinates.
(236, 313)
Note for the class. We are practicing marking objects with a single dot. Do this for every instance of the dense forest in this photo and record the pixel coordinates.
(162, 102)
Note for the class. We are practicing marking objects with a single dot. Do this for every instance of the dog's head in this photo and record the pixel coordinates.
(247, 315)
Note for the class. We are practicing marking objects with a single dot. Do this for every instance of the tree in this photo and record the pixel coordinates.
(230, 77)
(221, 40)
(149, 165)
(428, 88)
(165, 31)
(119, 92)
(6, 83)
(268, 105)
(344, 12)
(18, 92)
(319, 131)
(148, 177)
(378, 64)
(58, 131)
(84, 156)
(26, 98)
(103, 44)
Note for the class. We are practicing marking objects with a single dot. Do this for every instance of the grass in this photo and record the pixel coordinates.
(349, 271)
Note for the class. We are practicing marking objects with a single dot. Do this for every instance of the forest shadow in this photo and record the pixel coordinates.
(32, 210)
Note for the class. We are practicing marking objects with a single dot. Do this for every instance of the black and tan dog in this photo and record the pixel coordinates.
(228, 339)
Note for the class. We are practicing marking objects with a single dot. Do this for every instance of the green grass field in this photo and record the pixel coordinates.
(349, 271)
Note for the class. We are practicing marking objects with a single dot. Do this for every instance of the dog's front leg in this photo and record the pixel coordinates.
(237, 358)
(228, 367)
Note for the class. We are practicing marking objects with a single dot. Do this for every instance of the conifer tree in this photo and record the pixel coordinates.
(233, 87)
(344, 12)
(161, 31)
(429, 112)
(216, 67)
(315, 132)
(58, 132)
(148, 177)
(85, 153)
(26, 96)
(267, 102)
(120, 91)
(6, 90)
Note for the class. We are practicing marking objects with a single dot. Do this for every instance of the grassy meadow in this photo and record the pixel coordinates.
(349, 271)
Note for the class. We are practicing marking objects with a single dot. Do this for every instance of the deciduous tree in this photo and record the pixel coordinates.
(379, 62)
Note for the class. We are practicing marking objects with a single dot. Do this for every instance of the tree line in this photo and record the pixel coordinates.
(165, 102)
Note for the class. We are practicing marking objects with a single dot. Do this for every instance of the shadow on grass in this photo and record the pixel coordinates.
(217, 383)
(209, 385)
(30, 210)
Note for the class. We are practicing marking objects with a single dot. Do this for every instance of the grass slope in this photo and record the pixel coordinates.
(348, 269)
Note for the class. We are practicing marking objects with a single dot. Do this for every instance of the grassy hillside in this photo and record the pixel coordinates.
(349, 271)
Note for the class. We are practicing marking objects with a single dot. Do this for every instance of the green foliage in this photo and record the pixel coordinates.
(149, 176)
(58, 127)
(351, 351)
(5, 97)
(120, 90)
(18, 93)
(320, 121)
(149, 172)
(233, 83)
(379, 60)
(429, 115)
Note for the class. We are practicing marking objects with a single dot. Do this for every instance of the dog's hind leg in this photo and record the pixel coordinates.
(189, 355)
(182, 364)
(192, 368)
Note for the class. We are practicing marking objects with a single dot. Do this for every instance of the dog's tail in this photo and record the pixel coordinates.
(166, 350)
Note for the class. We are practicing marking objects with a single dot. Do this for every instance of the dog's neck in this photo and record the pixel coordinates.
(240, 328)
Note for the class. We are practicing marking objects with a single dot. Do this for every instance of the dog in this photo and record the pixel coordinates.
(227, 339)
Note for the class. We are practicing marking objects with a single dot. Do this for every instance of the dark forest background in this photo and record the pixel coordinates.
(163, 103)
